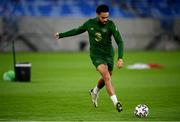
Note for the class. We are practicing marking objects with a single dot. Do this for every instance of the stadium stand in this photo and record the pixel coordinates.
(37, 19)
(84, 8)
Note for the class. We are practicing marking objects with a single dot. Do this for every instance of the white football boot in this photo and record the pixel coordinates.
(94, 98)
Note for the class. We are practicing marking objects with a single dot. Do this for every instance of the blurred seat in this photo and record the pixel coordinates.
(65, 10)
(86, 8)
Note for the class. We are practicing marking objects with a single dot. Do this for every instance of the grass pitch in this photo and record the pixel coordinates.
(60, 83)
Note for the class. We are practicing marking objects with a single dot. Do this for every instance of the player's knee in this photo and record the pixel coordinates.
(107, 78)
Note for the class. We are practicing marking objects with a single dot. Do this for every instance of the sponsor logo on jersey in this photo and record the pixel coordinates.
(98, 36)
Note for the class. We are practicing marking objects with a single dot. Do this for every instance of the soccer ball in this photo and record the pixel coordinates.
(141, 110)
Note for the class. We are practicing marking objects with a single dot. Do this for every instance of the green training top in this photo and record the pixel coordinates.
(99, 37)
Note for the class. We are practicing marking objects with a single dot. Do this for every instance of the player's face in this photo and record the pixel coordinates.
(103, 17)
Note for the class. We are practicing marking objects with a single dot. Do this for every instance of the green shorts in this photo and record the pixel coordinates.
(97, 60)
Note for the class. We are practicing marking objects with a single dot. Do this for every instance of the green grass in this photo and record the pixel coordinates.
(60, 84)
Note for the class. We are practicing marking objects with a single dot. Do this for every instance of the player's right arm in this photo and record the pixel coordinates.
(72, 32)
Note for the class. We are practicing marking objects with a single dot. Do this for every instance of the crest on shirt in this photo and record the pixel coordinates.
(92, 28)
(104, 30)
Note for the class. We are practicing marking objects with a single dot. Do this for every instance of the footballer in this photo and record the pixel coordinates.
(100, 30)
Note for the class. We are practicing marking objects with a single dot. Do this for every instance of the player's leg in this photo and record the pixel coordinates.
(103, 70)
(95, 91)
(100, 84)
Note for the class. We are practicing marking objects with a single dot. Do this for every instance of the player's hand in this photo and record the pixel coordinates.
(56, 35)
(120, 63)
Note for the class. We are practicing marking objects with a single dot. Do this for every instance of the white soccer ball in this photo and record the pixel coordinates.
(141, 110)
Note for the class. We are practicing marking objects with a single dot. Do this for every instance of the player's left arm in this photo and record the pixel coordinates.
(120, 44)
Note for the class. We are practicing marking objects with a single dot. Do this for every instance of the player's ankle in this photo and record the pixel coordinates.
(96, 90)
(114, 99)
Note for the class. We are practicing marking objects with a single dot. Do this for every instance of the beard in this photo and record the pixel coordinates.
(102, 23)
